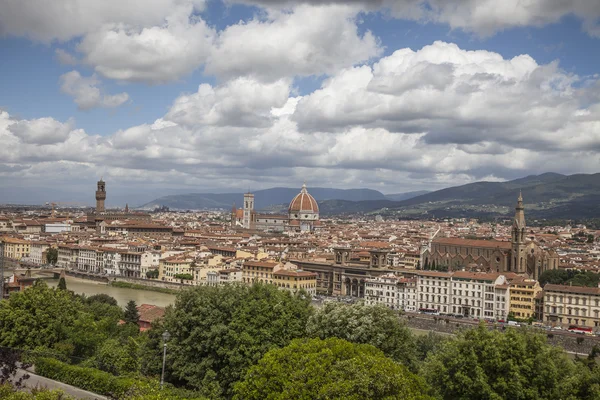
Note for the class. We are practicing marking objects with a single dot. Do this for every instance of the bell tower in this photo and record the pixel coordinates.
(519, 258)
(100, 196)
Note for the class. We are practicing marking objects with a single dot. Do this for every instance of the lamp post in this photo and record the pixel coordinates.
(165, 336)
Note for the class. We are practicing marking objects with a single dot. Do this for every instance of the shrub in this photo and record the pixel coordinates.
(579, 340)
(85, 378)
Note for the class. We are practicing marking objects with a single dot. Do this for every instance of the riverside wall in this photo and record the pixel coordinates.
(571, 342)
(148, 282)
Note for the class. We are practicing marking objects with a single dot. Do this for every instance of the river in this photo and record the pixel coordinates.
(122, 295)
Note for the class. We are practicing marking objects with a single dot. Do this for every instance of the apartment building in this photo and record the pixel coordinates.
(37, 254)
(523, 293)
(87, 259)
(434, 291)
(475, 294)
(15, 248)
(572, 305)
(67, 256)
(258, 271)
(295, 280)
(170, 267)
(407, 294)
(130, 264)
(383, 290)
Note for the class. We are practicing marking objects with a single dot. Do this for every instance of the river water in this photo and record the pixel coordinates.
(122, 295)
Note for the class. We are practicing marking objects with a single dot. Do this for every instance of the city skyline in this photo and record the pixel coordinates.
(189, 96)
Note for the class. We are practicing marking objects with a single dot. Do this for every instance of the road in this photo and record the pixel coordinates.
(39, 381)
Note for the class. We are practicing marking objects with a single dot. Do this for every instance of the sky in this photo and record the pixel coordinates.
(177, 96)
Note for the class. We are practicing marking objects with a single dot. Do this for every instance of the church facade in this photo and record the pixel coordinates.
(518, 256)
(302, 216)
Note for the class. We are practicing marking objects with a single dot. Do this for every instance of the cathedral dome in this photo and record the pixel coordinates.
(303, 203)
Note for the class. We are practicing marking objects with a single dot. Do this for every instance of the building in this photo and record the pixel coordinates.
(519, 255)
(170, 268)
(523, 293)
(383, 290)
(303, 215)
(100, 214)
(37, 254)
(15, 248)
(87, 260)
(434, 292)
(258, 271)
(67, 256)
(148, 314)
(572, 305)
(295, 280)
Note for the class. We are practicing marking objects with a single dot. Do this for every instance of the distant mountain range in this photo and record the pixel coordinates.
(548, 195)
(268, 198)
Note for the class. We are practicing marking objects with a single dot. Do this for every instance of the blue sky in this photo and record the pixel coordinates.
(32, 88)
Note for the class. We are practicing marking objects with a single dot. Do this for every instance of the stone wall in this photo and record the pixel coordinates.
(566, 340)
(148, 282)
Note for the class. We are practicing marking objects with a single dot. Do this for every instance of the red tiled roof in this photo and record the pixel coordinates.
(491, 244)
(150, 313)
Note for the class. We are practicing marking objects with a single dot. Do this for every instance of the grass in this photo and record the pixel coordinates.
(137, 286)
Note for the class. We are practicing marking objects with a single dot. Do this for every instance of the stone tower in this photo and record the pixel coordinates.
(519, 257)
(100, 196)
(248, 210)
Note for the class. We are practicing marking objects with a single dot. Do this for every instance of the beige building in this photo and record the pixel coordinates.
(15, 248)
(258, 271)
(572, 305)
(294, 281)
(169, 267)
(523, 293)
(37, 253)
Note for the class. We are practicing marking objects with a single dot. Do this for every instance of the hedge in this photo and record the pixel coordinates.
(90, 379)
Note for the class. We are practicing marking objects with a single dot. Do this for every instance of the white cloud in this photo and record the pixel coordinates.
(483, 17)
(306, 41)
(154, 54)
(86, 92)
(462, 115)
(63, 20)
(239, 102)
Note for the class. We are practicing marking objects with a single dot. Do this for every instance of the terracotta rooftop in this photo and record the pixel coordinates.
(492, 244)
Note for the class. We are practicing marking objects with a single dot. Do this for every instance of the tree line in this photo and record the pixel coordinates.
(258, 342)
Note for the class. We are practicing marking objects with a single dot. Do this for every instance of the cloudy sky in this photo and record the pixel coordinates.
(165, 96)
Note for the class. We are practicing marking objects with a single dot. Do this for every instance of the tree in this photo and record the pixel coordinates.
(62, 284)
(183, 277)
(329, 369)
(52, 256)
(102, 298)
(152, 274)
(218, 332)
(45, 318)
(360, 323)
(484, 364)
(428, 344)
(10, 363)
(131, 315)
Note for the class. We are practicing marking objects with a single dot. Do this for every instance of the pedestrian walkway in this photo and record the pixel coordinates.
(39, 381)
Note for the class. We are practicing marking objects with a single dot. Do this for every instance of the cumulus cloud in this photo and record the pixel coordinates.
(241, 102)
(483, 17)
(154, 54)
(306, 41)
(86, 92)
(462, 115)
(63, 20)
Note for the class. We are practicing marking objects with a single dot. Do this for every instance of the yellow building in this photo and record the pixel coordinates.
(296, 280)
(169, 267)
(15, 248)
(522, 297)
(259, 271)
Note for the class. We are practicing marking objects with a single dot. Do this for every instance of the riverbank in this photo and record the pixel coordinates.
(137, 286)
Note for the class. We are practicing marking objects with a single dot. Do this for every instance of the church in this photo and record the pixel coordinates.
(518, 256)
(302, 216)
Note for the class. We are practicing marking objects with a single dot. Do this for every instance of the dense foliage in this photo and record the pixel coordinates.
(570, 277)
(218, 332)
(52, 256)
(488, 364)
(131, 315)
(8, 392)
(45, 318)
(360, 323)
(329, 369)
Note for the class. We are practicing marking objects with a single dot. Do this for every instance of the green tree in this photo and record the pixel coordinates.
(554, 276)
(218, 332)
(360, 323)
(102, 298)
(62, 284)
(329, 369)
(152, 274)
(117, 357)
(187, 277)
(484, 364)
(52, 256)
(131, 315)
(428, 344)
(45, 318)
